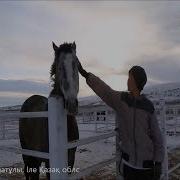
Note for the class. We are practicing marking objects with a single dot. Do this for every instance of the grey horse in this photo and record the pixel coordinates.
(33, 132)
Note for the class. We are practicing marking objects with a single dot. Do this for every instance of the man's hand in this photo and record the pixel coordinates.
(83, 72)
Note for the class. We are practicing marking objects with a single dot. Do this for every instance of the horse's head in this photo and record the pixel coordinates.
(64, 73)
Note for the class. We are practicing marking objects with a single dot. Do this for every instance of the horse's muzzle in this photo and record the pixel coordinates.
(71, 105)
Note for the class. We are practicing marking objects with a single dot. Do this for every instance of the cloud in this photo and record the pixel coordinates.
(110, 38)
(10, 101)
(103, 30)
(160, 56)
(23, 86)
(164, 69)
(13, 92)
(160, 68)
(101, 69)
(164, 17)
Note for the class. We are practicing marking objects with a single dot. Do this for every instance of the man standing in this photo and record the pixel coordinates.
(141, 140)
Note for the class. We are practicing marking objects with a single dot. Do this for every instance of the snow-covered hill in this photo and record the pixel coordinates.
(166, 90)
(170, 90)
(10, 108)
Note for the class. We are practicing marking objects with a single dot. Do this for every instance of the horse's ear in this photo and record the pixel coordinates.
(74, 45)
(54, 46)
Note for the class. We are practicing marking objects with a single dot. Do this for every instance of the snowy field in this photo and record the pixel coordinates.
(86, 155)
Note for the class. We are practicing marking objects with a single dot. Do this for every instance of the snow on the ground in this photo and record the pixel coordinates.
(95, 152)
(9, 158)
(173, 141)
(86, 155)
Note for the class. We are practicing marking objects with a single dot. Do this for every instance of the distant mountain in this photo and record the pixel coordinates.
(82, 102)
(163, 86)
(165, 90)
(88, 100)
(11, 108)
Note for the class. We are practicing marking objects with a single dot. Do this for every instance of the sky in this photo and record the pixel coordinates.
(111, 37)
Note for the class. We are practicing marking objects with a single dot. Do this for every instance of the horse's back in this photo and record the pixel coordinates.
(33, 132)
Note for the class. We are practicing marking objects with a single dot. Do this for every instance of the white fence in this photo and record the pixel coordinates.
(58, 144)
(166, 170)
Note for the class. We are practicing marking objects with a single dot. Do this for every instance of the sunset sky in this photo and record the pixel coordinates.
(110, 38)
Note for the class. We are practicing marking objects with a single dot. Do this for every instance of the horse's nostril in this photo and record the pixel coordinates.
(66, 104)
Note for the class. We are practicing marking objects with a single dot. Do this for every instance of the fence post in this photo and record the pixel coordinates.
(3, 129)
(176, 120)
(96, 121)
(57, 123)
(163, 119)
(118, 153)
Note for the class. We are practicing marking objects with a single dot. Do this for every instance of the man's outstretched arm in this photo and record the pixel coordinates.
(111, 97)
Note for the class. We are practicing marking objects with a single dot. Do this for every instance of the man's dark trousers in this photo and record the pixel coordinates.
(137, 174)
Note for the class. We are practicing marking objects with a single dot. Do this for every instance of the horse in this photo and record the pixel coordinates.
(33, 132)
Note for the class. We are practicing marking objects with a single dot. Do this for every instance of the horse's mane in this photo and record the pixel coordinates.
(66, 48)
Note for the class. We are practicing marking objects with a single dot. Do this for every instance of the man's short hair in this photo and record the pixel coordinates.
(139, 75)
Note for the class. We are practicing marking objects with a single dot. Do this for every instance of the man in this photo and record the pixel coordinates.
(141, 140)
